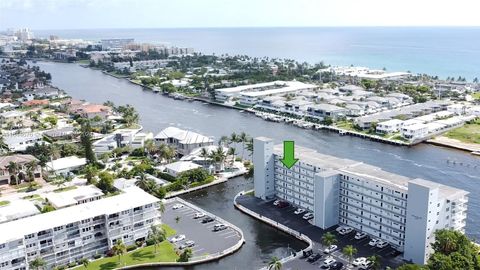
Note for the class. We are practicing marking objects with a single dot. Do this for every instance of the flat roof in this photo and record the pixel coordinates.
(183, 136)
(66, 163)
(71, 197)
(17, 209)
(131, 198)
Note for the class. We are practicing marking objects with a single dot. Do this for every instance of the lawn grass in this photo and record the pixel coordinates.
(468, 133)
(62, 189)
(3, 203)
(165, 253)
(476, 95)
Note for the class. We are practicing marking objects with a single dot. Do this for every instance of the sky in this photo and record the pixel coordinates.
(91, 14)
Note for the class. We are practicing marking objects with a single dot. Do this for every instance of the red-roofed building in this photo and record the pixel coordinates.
(36, 102)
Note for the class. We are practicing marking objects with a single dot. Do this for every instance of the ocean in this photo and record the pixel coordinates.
(441, 51)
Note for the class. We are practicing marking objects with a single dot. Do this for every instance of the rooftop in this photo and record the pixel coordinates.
(17, 209)
(131, 198)
(65, 163)
(73, 196)
(183, 136)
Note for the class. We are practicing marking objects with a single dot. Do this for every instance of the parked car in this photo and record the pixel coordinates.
(299, 211)
(177, 238)
(359, 261)
(283, 204)
(207, 219)
(199, 215)
(219, 227)
(340, 228)
(366, 265)
(307, 253)
(346, 230)
(330, 249)
(314, 257)
(360, 235)
(328, 262)
(276, 202)
(177, 206)
(308, 216)
(373, 242)
(382, 244)
(187, 244)
(336, 266)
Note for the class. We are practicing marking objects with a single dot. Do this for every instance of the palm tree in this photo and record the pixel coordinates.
(233, 138)
(37, 263)
(55, 152)
(150, 147)
(275, 264)
(156, 235)
(350, 252)
(223, 140)
(167, 152)
(204, 154)
(161, 207)
(13, 170)
(31, 166)
(249, 145)
(142, 182)
(329, 239)
(375, 259)
(85, 262)
(243, 139)
(232, 152)
(119, 249)
(218, 157)
(177, 219)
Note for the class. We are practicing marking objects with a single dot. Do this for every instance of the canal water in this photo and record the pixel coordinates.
(446, 166)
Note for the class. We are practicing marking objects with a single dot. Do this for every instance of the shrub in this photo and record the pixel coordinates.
(150, 242)
(166, 176)
(131, 247)
(139, 243)
(97, 256)
(174, 186)
(71, 264)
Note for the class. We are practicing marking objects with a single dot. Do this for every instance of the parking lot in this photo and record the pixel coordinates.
(287, 217)
(207, 242)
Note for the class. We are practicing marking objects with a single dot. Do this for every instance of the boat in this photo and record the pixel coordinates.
(342, 132)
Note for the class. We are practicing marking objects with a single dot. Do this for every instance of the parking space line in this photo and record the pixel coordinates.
(233, 235)
(226, 233)
(197, 250)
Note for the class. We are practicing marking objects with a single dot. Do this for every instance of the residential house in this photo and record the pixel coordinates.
(21, 174)
(184, 141)
(321, 111)
(65, 165)
(20, 142)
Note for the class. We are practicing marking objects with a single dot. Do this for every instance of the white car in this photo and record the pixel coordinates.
(359, 261)
(276, 202)
(382, 244)
(177, 206)
(328, 262)
(360, 235)
(308, 216)
(330, 249)
(340, 228)
(199, 215)
(346, 230)
(177, 238)
(373, 242)
(299, 211)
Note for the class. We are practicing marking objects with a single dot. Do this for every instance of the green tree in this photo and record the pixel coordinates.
(119, 249)
(30, 170)
(85, 262)
(185, 255)
(350, 252)
(86, 141)
(156, 235)
(105, 182)
(274, 264)
(91, 172)
(12, 168)
(329, 239)
(37, 263)
(411, 267)
(376, 263)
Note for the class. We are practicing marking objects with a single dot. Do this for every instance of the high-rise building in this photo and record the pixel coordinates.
(402, 211)
(116, 43)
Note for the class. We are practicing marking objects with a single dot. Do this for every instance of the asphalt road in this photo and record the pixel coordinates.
(286, 217)
(206, 240)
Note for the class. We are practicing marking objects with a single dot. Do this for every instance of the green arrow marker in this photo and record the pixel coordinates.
(289, 159)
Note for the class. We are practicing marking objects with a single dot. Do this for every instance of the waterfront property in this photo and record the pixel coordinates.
(81, 231)
(402, 211)
(184, 141)
(121, 138)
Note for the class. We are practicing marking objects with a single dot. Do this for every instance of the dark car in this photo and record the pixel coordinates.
(283, 204)
(207, 220)
(336, 266)
(307, 253)
(314, 257)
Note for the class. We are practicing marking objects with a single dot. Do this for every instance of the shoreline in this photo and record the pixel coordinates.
(443, 141)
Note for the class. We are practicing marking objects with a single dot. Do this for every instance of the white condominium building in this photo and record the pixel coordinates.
(81, 231)
(404, 212)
